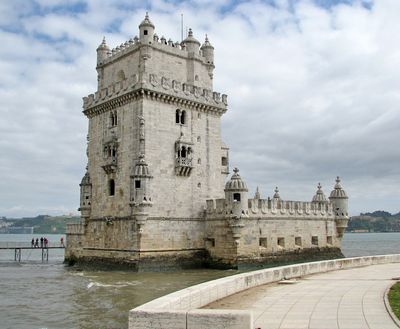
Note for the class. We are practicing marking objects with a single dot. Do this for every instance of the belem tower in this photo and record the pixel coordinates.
(154, 194)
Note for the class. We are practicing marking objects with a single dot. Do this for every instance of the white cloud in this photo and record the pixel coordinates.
(312, 91)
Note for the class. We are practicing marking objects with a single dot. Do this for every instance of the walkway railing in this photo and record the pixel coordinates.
(24, 245)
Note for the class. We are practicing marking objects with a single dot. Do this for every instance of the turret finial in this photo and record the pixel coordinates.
(319, 186)
(147, 15)
(257, 195)
(235, 170)
(276, 195)
(190, 34)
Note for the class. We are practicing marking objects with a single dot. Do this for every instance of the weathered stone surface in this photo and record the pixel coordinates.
(219, 319)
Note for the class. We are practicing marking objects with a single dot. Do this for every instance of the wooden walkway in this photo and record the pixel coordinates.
(18, 247)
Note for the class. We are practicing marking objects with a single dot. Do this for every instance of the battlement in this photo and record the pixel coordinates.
(176, 48)
(159, 84)
(269, 208)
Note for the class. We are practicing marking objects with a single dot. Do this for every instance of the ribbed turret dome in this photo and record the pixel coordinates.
(141, 168)
(276, 195)
(190, 38)
(146, 22)
(236, 183)
(338, 192)
(319, 196)
(206, 44)
(103, 45)
(86, 179)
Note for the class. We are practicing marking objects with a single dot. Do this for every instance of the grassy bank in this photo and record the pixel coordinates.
(394, 299)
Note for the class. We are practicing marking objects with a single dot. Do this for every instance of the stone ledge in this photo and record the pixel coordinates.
(200, 295)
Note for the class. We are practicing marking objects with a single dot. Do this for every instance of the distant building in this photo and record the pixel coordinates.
(154, 195)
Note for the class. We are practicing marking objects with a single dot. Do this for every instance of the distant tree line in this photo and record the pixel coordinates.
(377, 221)
(44, 224)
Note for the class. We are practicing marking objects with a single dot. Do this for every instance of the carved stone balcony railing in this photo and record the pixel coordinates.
(183, 166)
(110, 165)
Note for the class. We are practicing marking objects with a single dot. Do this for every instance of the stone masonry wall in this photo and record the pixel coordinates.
(126, 133)
(268, 237)
(181, 196)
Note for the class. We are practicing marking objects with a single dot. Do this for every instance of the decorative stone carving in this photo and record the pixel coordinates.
(166, 83)
(154, 80)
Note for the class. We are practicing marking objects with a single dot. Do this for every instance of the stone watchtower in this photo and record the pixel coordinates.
(155, 152)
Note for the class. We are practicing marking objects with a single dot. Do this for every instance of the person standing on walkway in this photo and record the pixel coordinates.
(45, 241)
(62, 241)
(37, 243)
(33, 243)
(41, 242)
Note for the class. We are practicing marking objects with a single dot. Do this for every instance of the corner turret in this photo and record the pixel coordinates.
(102, 51)
(191, 44)
(86, 196)
(236, 195)
(208, 51)
(339, 200)
(146, 30)
(319, 196)
(140, 184)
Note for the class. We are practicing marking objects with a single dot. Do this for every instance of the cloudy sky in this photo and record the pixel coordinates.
(313, 85)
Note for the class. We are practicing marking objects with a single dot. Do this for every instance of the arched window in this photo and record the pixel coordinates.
(236, 196)
(183, 117)
(113, 119)
(177, 116)
(183, 152)
(111, 187)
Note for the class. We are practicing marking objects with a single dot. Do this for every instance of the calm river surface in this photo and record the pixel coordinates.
(35, 295)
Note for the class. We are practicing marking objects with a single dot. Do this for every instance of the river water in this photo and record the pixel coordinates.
(34, 295)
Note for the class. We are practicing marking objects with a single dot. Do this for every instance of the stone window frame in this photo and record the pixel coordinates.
(263, 242)
(329, 240)
(113, 119)
(111, 187)
(280, 241)
(314, 240)
(180, 117)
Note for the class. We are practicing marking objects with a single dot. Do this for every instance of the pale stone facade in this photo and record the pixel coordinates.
(154, 190)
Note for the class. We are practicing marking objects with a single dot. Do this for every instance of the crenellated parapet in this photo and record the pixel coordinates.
(270, 208)
(176, 48)
(154, 86)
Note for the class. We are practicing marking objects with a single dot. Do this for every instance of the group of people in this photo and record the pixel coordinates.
(44, 242)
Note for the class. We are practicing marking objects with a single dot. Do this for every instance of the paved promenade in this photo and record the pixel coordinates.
(345, 299)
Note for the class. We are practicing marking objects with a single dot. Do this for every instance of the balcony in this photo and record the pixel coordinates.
(110, 165)
(183, 166)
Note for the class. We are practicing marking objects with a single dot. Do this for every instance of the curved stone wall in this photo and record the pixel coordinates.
(180, 310)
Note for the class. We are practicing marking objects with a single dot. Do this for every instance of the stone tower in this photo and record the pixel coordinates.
(154, 142)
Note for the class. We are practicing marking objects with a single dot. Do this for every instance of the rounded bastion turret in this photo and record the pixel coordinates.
(339, 200)
(236, 195)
